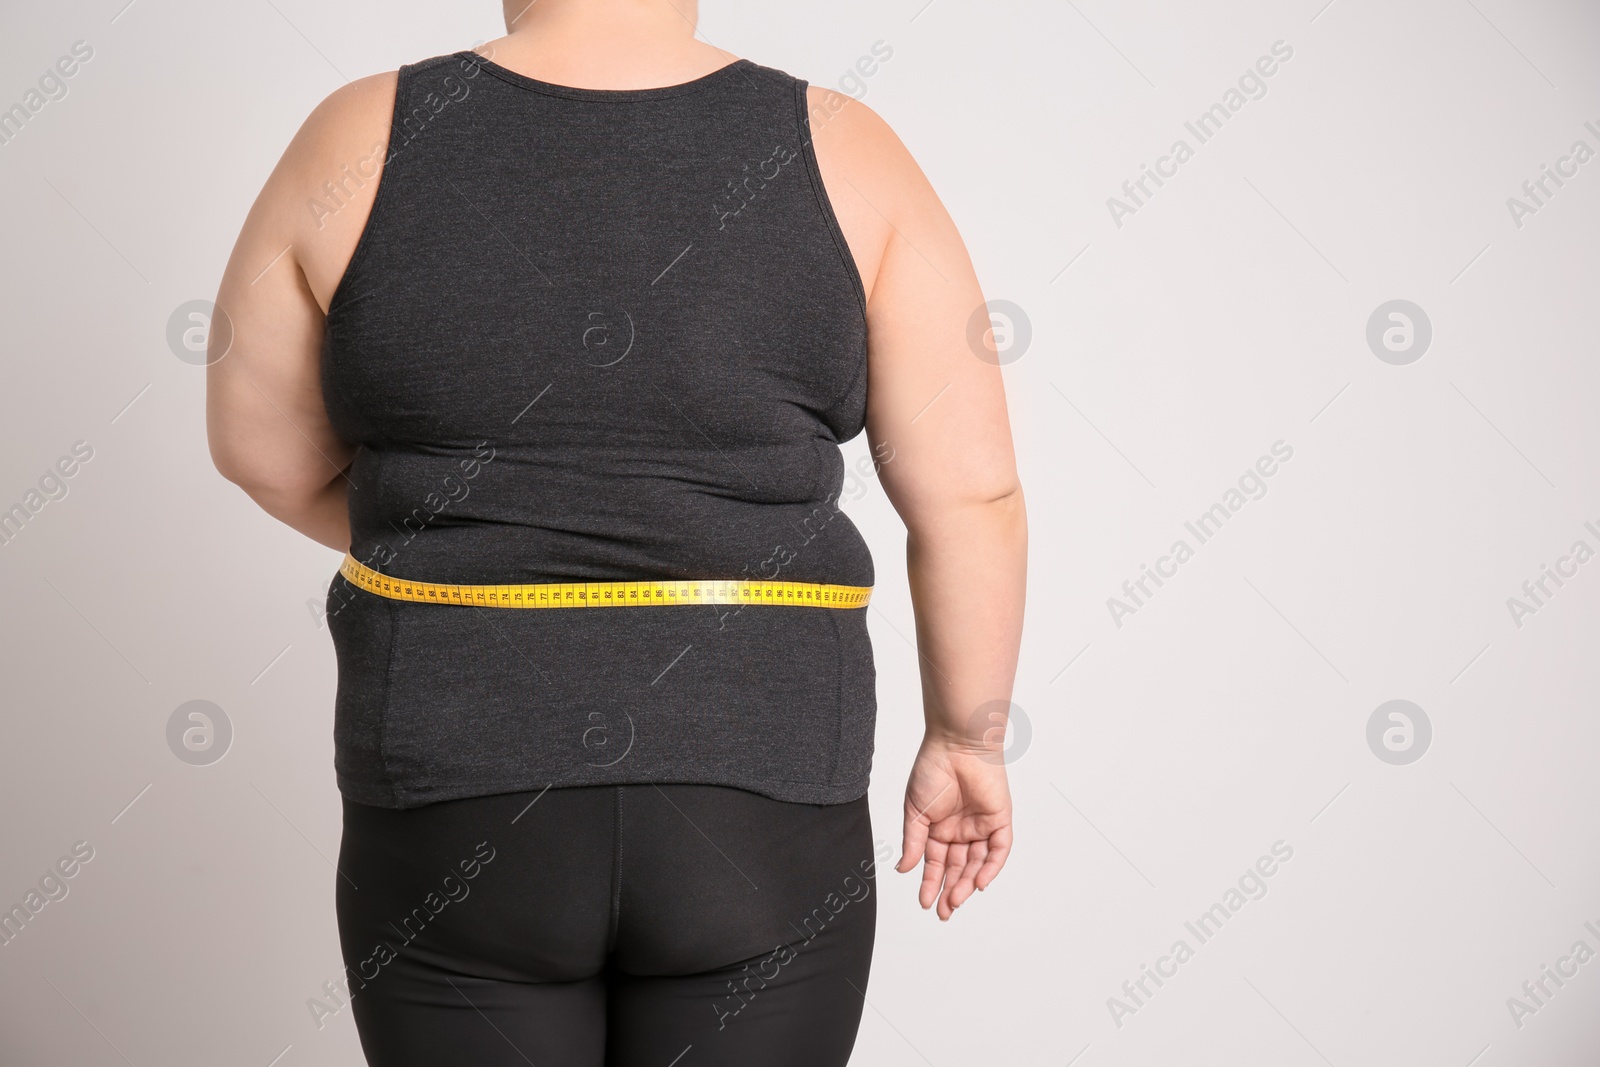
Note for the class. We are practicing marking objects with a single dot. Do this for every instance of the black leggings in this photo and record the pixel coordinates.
(608, 926)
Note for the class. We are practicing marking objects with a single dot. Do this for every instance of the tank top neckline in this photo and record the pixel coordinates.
(575, 92)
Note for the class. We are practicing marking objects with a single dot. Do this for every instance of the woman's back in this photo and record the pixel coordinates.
(599, 335)
(628, 308)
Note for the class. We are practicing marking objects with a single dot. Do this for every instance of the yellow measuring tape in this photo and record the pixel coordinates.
(608, 594)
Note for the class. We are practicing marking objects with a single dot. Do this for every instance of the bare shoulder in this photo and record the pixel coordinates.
(865, 167)
(877, 187)
(852, 130)
(319, 195)
(350, 116)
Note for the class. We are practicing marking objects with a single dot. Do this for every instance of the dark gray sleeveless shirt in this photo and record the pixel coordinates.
(589, 335)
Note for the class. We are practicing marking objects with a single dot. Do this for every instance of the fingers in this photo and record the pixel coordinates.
(965, 878)
(968, 867)
(912, 841)
(999, 849)
(955, 863)
(933, 864)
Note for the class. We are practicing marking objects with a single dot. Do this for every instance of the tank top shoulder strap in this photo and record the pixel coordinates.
(423, 91)
(806, 124)
(785, 106)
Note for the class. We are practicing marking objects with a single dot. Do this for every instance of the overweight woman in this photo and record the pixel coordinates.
(557, 341)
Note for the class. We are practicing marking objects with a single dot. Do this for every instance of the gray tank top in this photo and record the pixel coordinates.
(586, 335)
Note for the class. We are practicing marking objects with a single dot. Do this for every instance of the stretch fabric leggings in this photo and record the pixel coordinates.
(607, 926)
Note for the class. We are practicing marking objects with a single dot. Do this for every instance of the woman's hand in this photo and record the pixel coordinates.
(958, 820)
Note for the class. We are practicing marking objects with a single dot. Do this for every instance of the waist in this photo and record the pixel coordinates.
(607, 594)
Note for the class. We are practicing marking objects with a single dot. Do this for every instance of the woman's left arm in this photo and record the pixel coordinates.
(936, 415)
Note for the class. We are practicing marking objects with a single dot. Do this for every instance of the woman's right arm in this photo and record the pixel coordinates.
(265, 420)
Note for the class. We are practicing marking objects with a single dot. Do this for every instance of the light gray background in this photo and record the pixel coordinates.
(1167, 354)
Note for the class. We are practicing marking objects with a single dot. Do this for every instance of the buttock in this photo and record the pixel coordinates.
(608, 925)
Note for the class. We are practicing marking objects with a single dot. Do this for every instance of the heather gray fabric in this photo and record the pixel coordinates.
(599, 335)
